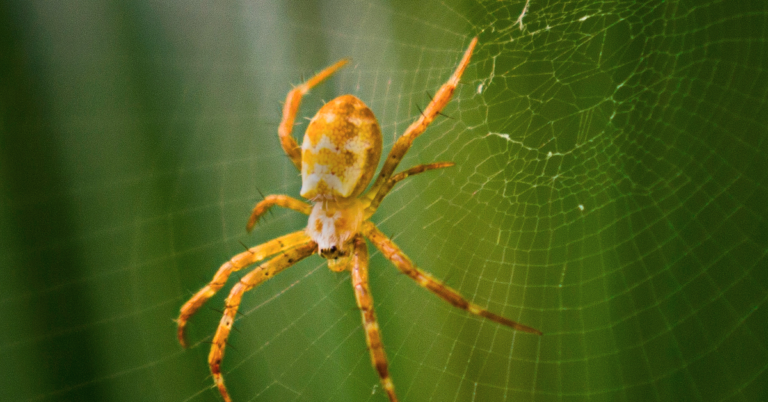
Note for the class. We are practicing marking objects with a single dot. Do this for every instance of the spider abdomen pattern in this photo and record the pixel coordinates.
(341, 150)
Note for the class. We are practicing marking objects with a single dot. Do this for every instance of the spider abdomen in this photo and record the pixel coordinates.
(340, 151)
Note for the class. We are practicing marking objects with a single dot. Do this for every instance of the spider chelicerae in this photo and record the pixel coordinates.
(337, 159)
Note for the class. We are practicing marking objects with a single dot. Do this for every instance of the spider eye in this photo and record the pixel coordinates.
(331, 253)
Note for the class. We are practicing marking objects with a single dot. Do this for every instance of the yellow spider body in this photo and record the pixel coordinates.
(337, 160)
(339, 155)
(341, 150)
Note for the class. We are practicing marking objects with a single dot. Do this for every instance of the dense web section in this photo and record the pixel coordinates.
(609, 189)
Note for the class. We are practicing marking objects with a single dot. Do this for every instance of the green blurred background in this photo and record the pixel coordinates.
(610, 190)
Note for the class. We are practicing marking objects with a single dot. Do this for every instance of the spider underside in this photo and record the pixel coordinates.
(337, 160)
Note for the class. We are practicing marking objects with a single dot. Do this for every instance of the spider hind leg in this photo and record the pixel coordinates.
(393, 253)
(359, 276)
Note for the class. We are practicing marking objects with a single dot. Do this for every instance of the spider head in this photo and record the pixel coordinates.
(333, 225)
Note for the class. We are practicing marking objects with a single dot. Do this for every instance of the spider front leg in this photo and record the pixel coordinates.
(441, 98)
(425, 280)
(254, 278)
(236, 263)
(291, 108)
(276, 200)
(359, 276)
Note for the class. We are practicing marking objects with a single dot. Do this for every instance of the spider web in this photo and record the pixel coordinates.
(609, 189)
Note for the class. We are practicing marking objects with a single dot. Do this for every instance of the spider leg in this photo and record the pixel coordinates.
(254, 278)
(425, 280)
(359, 276)
(441, 98)
(377, 197)
(236, 263)
(291, 108)
(279, 200)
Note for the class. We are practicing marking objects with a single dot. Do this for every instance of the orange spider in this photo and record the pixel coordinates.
(337, 160)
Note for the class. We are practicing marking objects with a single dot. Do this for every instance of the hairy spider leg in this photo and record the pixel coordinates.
(384, 190)
(236, 263)
(441, 98)
(254, 278)
(359, 276)
(279, 200)
(291, 108)
(393, 253)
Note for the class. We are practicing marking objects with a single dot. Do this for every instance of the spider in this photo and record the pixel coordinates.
(337, 160)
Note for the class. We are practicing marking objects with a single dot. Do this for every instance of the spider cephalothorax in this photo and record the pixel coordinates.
(332, 225)
(337, 160)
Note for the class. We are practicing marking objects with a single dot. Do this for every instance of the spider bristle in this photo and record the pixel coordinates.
(216, 310)
(229, 345)
(421, 111)
(260, 193)
(240, 314)
(244, 246)
(228, 306)
(445, 115)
